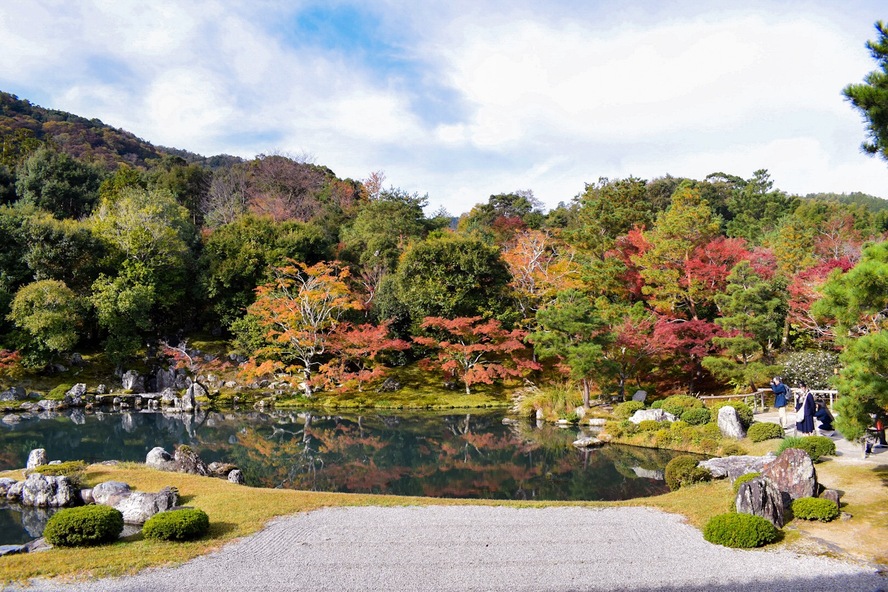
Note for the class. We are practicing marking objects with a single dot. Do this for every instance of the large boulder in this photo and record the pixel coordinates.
(36, 458)
(109, 493)
(220, 470)
(48, 490)
(14, 491)
(139, 506)
(168, 398)
(651, 414)
(236, 476)
(165, 379)
(729, 423)
(133, 382)
(159, 458)
(793, 474)
(187, 461)
(5, 484)
(640, 396)
(734, 466)
(760, 497)
(77, 391)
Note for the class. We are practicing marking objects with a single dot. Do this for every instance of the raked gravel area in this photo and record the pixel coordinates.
(469, 548)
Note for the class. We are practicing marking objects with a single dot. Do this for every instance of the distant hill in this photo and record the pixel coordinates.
(870, 202)
(24, 126)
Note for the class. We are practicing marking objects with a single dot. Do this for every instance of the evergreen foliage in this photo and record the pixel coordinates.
(743, 531)
(84, 526)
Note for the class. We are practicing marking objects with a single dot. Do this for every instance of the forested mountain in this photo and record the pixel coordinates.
(673, 284)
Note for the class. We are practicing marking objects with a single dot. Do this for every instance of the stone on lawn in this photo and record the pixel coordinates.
(760, 497)
(36, 458)
(793, 474)
(47, 490)
(729, 423)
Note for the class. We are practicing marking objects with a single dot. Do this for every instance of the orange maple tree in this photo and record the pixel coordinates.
(357, 351)
(299, 310)
(474, 350)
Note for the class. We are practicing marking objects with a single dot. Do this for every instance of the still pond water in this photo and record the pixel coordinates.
(465, 455)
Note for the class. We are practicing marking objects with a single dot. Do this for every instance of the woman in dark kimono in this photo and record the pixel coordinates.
(805, 411)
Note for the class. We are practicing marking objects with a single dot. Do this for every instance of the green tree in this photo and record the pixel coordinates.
(54, 181)
(49, 313)
(871, 96)
(124, 304)
(752, 315)
(572, 330)
(65, 250)
(610, 209)
(757, 208)
(452, 277)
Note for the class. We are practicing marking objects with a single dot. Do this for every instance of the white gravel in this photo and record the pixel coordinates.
(469, 548)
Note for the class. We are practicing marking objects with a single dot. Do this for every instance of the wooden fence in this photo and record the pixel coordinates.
(757, 400)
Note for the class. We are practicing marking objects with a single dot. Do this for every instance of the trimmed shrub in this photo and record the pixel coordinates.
(815, 508)
(84, 526)
(815, 446)
(683, 470)
(743, 531)
(744, 412)
(72, 469)
(732, 449)
(177, 525)
(743, 479)
(678, 404)
(711, 430)
(696, 416)
(649, 425)
(764, 430)
(627, 409)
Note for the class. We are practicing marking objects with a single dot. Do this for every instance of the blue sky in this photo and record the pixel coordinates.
(464, 99)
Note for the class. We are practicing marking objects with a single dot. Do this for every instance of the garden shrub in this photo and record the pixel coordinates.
(627, 409)
(683, 470)
(678, 404)
(177, 525)
(72, 469)
(649, 425)
(815, 446)
(815, 508)
(743, 479)
(732, 449)
(619, 429)
(657, 404)
(696, 416)
(743, 531)
(764, 430)
(711, 430)
(744, 412)
(84, 526)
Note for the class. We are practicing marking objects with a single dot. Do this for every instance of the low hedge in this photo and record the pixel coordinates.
(743, 531)
(678, 404)
(696, 416)
(815, 508)
(177, 525)
(765, 430)
(683, 470)
(627, 409)
(815, 446)
(84, 526)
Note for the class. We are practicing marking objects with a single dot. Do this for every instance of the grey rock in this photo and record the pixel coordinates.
(793, 474)
(588, 442)
(5, 484)
(651, 414)
(760, 497)
(49, 405)
(640, 396)
(14, 492)
(109, 493)
(168, 398)
(76, 359)
(11, 419)
(729, 423)
(12, 549)
(221, 470)
(597, 421)
(101, 389)
(140, 506)
(133, 382)
(187, 461)
(236, 476)
(47, 490)
(78, 390)
(15, 393)
(165, 379)
(36, 458)
(734, 466)
(833, 495)
(159, 458)
(86, 496)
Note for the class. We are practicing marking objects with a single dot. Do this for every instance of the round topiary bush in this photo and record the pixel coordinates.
(84, 526)
(678, 404)
(627, 409)
(649, 425)
(683, 470)
(743, 531)
(177, 525)
(815, 446)
(696, 416)
(815, 508)
(743, 479)
(764, 430)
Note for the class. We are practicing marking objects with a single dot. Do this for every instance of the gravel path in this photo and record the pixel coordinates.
(469, 548)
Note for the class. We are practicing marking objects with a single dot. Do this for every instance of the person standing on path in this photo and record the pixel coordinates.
(805, 411)
(780, 398)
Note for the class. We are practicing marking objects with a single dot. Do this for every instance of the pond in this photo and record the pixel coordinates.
(466, 455)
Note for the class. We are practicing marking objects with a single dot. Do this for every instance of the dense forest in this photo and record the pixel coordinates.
(672, 284)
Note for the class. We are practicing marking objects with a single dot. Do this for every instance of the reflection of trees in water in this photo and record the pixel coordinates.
(465, 455)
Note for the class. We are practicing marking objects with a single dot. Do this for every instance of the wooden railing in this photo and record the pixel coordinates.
(757, 400)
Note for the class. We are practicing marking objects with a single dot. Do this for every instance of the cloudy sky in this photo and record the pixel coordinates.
(465, 98)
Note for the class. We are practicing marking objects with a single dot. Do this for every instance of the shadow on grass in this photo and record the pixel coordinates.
(218, 529)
